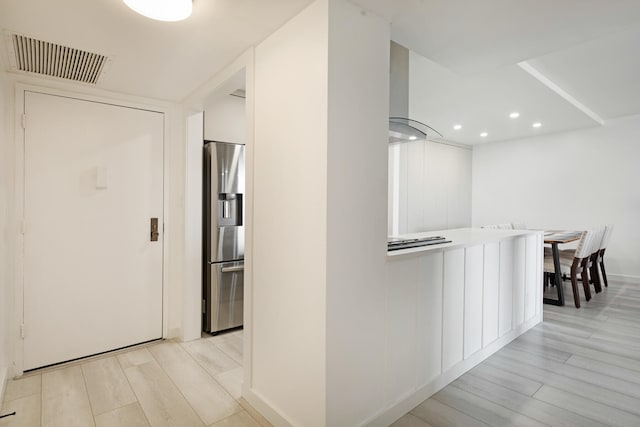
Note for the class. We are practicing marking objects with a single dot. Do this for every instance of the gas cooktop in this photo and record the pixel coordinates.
(396, 243)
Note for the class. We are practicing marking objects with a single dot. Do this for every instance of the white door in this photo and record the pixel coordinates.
(93, 180)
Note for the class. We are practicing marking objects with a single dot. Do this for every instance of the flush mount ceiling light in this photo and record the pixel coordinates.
(514, 115)
(457, 127)
(537, 125)
(162, 10)
(484, 134)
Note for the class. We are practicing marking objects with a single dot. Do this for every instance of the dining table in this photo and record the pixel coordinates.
(555, 238)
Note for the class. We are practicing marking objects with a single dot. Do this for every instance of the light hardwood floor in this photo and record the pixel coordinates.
(159, 384)
(580, 367)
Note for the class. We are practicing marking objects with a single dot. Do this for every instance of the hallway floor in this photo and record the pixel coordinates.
(160, 384)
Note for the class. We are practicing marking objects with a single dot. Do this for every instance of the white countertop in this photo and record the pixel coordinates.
(460, 237)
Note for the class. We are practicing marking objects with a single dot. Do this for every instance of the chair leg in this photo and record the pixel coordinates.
(574, 285)
(595, 274)
(584, 274)
(604, 273)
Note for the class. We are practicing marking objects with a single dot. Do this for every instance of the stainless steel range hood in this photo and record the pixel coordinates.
(402, 128)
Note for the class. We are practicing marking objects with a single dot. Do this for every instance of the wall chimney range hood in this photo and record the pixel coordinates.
(401, 128)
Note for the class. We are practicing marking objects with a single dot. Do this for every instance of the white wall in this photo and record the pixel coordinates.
(319, 241)
(290, 218)
(225, 120)
(572, 180)
(6, 260)
(356, 213)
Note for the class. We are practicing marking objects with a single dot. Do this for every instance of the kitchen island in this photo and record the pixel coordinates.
(450, 306)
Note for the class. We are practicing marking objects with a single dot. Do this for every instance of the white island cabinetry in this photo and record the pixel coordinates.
(452, 305)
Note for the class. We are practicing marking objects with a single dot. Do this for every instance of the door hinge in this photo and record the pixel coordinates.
(204, 307)
(24, 121)
(22, 331)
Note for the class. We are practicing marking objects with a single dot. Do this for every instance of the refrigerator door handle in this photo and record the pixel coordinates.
(234, 269)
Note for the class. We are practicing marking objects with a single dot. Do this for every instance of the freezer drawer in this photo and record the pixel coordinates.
(223, 296)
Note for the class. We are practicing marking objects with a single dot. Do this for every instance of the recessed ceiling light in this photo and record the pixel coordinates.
(537, 124)
(162, 10)
(514, 115)
(457, 127)
(484, 134)
(413, 138)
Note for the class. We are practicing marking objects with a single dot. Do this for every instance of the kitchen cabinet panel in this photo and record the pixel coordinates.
(531, 280)
(491, 293)
(505, 315)
(473, 298)
(518, 281)
(429, 317)
(453, 308)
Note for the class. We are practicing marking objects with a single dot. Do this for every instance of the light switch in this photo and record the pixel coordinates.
(101, 177)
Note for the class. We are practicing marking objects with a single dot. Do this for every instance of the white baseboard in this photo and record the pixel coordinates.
(4, 377)
(624, 278)
(264, 408)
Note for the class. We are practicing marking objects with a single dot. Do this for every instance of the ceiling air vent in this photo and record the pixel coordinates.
(50, 59)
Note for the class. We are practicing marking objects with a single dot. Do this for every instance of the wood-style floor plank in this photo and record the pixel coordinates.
(209, 399)
(241, 419)
(410, 420)
(604, 368)
(27, 411)
(590, 409)
(161, 401)
(506, 379)
(129, 416)
(65, 402)
(23, 387)
(483, 409)
(209, 356)
(438, 414)
(581, 388)
(529, 406)
(107, 385)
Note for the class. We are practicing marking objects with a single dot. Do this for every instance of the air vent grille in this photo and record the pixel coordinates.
(50, 59)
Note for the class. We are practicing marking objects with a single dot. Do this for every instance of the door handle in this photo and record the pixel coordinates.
(154, 230)
(232, 269)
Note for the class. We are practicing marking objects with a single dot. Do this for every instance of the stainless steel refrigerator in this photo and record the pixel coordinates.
(223, 287)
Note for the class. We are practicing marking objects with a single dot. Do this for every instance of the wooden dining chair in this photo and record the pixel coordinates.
(603, 246)
(578, 263)
(594, 260)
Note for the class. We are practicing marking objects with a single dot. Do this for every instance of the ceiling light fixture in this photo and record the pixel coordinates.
(514, 115)
(457, 127)
(413, 138)
(484, 134)
(537, 125)
(162, 10)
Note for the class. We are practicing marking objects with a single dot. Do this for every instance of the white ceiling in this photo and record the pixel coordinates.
(162, 60)
(483, 102)
(470, 49)
(468, 73)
